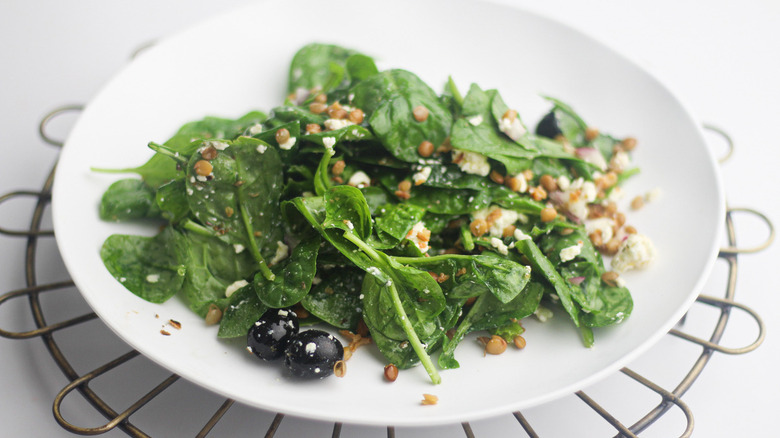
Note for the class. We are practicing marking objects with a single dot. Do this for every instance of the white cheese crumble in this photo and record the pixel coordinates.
(349, 224)
(288, 144)
(334, 124)
(230, 290)
(637, 251)
(512, 127)
(496, 243)
(256, 129)
(239, 248)
(261, 148)
(153, 278)
(359, 179)
(414, 236)
(281, 253)
(311, 347)
(653, 195)
(603, 224)
(570, 252)
(329, 142)
(619, 161)
(499, 218)
(520, 235)
(476, 120)
(218, 145)
(472, 162)
(422, 175)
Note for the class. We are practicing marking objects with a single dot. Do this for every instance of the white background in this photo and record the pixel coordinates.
(719, 57)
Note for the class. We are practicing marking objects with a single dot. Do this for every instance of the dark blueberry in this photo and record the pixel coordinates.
(313, 353)
(270, 335)
(548, 126)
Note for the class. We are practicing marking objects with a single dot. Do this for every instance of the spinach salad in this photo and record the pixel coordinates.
(368, 201)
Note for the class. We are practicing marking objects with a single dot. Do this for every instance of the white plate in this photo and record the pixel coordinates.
(239, 61)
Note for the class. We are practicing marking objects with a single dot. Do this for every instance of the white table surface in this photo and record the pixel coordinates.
(720, 59)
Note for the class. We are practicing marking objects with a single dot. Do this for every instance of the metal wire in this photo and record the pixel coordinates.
(122, 422)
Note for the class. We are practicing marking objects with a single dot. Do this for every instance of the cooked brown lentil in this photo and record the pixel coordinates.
(313, 128)
(338, 167)
(548, 182)
(519, 342)
(548, 214)
(317, 107)
(209, 153)
(425, 149)
(282, 135)
(637, 203)
(478, 227)
(591, 133)
(495, 345)
(405, 185)
(420, 113)
(496, 177)
(391, 372)
(610, 278)
(203, 168)
(356, 116)
(629, 143)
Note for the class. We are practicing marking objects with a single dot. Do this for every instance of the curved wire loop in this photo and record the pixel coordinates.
(42, 197)
(726, 305)
(760, 247)
(726, 137)
(52, 115)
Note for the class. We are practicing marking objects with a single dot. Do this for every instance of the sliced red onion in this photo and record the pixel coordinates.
(592, 156)
(576, 280)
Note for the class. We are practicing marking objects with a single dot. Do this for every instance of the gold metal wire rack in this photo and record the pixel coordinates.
(45, 330)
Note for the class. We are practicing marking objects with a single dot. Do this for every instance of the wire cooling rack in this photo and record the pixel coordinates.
(122, 420)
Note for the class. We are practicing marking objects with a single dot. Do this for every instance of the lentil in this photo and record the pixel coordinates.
(629, 143)
(548, 214)
(496, 177)
(548, 183)
(321, 98)
(338, 167)
(356, 116)
(282, 136)
(637, 203)
(317, 107)
(214, 315)
(610, 278)
(209, 153)
(391, 372)
(313, 128)
(510, 114)
(420, 113)
(203, 168)
(495, 345)
(405, 185)
(519, 342)
(425, 149)
(478, 227)
(591, 133)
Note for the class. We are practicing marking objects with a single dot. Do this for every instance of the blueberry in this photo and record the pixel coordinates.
(548, 126)
(313, 353)
(270, 335)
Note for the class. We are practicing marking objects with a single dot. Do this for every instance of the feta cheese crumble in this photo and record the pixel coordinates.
(261, 148)
(570, 252)
(471, 162)
(637, 251)
(359, 179)
(512, 127)
(497, 218)
(422, 175)
(288, 144)
(419, 236)
(476, 120)
(329, 142)
(152, 278)
(281, 253)
(334, 124)
(230, 290)
(496, 243)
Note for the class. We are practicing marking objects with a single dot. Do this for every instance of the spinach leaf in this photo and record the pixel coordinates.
(311, 66)
(488, 312)
(360, 67)
(240, 198)
(293, 276)
(128, 199)
(243, 309)
(336, 300)
(171, 199)
(347, 209)
(388, 99)
(149, 267)
(212, 266)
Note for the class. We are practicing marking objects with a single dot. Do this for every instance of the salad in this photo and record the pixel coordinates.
(372, 204)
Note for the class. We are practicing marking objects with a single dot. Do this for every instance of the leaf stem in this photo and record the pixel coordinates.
(197, 228)
(162, 149)
(398, 306)
(253, 248)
